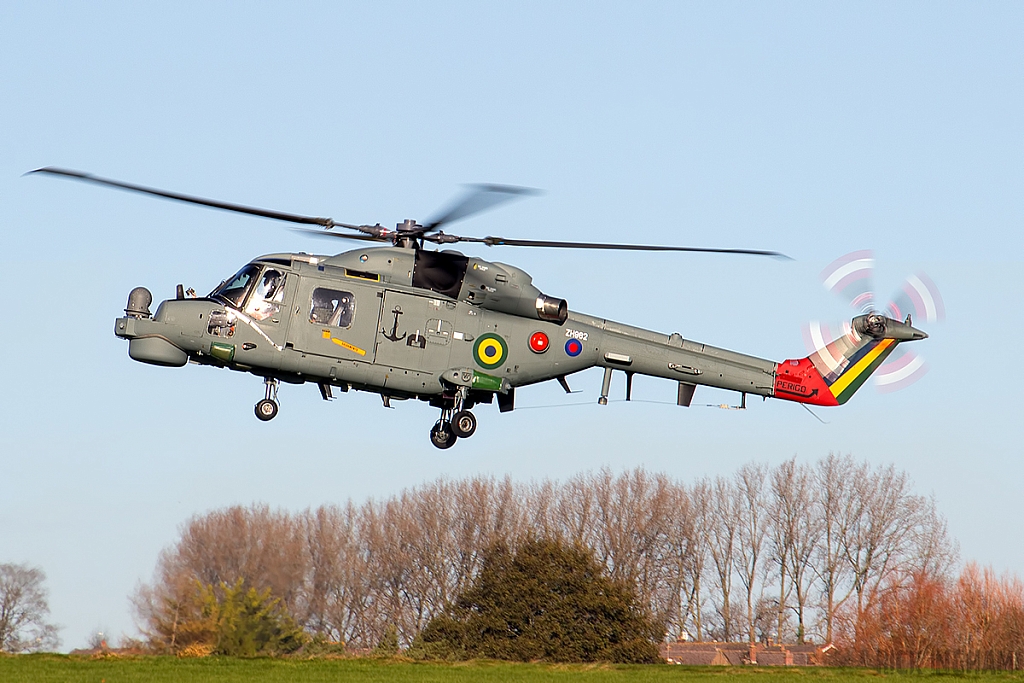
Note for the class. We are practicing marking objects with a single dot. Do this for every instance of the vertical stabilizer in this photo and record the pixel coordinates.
(834, 373)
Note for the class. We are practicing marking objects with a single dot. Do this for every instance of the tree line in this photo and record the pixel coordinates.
(786, 553)
(971, 621)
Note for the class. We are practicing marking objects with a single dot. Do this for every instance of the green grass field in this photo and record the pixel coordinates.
(64, 669)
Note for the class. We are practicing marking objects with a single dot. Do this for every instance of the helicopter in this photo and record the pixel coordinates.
(456, 331)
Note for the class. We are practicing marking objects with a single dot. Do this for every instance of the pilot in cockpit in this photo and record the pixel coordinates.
(265, 300)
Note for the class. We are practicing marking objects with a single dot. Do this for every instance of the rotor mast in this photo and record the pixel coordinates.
(408, 235)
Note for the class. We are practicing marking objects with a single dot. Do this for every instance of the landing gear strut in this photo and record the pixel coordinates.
(456, 422)
(267, 408)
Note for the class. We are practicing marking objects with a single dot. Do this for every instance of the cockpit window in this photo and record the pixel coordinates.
(267, 296)
(332, 307)
(233, 290)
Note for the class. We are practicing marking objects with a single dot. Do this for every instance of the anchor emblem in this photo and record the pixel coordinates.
(393, 335)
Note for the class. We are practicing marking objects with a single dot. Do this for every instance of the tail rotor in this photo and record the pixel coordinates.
(851, 277)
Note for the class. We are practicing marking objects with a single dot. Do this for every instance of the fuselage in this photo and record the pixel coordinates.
(357, 320)
(412, 324)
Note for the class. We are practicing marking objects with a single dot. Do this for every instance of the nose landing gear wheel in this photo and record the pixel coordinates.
(463, 424)
(442, 435)
(266, 410)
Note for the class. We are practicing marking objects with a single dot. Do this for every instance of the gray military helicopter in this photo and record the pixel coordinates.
(408, 322)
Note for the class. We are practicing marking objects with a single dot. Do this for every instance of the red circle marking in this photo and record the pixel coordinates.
(538, 342)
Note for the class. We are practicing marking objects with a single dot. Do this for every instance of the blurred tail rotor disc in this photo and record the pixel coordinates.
(851, 277)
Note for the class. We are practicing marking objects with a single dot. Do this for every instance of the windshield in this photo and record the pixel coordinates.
(233, 290)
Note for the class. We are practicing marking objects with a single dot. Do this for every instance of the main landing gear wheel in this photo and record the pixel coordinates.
(266, 410)
(463, 424)
(442, 435)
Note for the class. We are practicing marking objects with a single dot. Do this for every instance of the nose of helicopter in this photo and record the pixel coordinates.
(150, 335)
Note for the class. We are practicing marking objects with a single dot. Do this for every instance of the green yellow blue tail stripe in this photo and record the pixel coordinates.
(864, 362)
(833, 374)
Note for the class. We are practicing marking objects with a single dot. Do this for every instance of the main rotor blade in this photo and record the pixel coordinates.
(507, 242)
(476, 199)
(211, 203)
(341, 235)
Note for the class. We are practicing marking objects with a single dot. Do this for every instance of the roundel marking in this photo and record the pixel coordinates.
(573, 347)
(539, 342)
(490, 351)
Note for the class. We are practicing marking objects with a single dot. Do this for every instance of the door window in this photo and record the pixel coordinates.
(332, 307)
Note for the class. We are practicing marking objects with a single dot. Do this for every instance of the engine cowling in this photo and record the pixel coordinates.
(504, 288)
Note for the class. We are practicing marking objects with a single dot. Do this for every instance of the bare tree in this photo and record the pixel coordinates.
(751, 483)
(703, 517)
(260, 547)
(681, 544)
(389, 535)
(430, 514)
(836, 510)
(540, 500)
(576, 512)
(794, 494)
(781, 531)
(878, 539)
(722, 540)
(336, 578)
(932, 550)
(24, 610)
(487, 511)
(633, 511)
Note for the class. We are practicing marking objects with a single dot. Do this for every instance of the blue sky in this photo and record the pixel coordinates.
(814, 129)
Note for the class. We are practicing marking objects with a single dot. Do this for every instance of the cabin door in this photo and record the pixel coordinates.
(415, 332)
(336, 318)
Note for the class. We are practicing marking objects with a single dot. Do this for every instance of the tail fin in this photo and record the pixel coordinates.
(831, 375)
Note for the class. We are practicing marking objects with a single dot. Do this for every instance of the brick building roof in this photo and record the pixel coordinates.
(737, 654)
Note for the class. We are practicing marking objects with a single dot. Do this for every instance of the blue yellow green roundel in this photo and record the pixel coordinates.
(490, 351)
